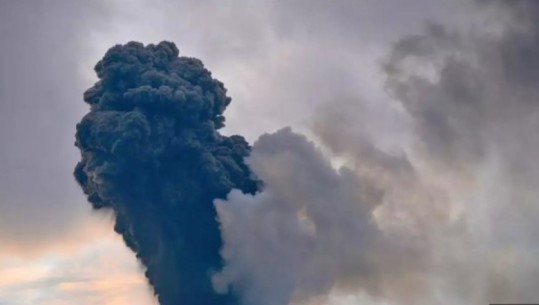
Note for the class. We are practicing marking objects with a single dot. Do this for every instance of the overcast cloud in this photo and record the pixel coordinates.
(437, 123)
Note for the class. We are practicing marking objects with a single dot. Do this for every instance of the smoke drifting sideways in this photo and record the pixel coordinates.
(151, 152)
(450, 219)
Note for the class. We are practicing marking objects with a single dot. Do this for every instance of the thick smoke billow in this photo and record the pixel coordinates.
(313, 231)
(309, 230)
(451, 218)
(151, 152)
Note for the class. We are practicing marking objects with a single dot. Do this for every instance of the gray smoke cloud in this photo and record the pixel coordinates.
(309, 229)
(315, 230)
(449, 217)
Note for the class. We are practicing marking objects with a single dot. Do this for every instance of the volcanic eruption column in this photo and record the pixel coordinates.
(150, 151)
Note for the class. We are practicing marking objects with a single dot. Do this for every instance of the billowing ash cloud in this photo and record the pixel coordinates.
(309, 230)
(450, 217)
(313, 230)
(151, 152)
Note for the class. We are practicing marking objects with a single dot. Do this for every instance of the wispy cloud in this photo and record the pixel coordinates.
(99, 271)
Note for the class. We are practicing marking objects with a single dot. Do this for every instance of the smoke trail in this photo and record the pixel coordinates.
(151, 152)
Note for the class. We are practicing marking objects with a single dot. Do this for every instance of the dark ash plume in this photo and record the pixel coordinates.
(151, 152)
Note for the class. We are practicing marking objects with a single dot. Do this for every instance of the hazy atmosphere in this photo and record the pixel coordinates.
(392, 156)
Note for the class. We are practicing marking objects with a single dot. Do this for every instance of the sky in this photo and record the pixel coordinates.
(441, 119)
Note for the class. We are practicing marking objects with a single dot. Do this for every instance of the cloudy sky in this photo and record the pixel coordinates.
(431, 103)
